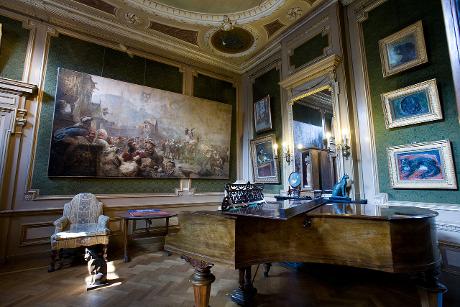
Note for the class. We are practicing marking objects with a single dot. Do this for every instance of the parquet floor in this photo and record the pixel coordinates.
(153, 279)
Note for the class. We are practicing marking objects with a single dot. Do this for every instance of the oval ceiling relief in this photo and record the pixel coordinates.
(236, 40)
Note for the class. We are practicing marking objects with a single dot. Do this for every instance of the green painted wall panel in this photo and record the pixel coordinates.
(13, 48)
(86, 57)
(267, 84)
(308, 51)
(213, 89)
(385, 20)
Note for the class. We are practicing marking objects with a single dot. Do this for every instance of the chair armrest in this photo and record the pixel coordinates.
(61, 224)
(103, 221)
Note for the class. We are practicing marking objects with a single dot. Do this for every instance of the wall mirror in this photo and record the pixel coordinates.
(312, 124)
(312, 130)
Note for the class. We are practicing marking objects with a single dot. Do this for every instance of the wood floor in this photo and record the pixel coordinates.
(153, 279)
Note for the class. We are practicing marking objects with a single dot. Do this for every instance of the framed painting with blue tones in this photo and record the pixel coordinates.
(426, 165)
(414, 104)
(403, 50)
(264, 163)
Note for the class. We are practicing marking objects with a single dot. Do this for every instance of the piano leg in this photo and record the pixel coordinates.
(201, 280)
(244, 295)
(267, 268)
(430, 289)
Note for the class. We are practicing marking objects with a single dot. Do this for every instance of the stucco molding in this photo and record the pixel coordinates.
(266, 8)
(357, 12)
(364, 7)
(450, 12)
(322, 27)
(325, 66)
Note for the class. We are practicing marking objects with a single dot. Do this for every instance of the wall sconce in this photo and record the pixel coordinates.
(345, 147)
(330, 145)
(285, 154)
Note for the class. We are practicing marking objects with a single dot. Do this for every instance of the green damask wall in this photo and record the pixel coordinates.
(213, 89)
(308, 51)
(13, 48)
(90, 58)
(267, 84)
(385, 20)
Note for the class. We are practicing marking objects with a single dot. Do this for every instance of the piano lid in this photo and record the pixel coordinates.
(278, 210)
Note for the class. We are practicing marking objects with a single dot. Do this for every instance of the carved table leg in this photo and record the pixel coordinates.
(201, 280)
(125, 240)
(430, 289)
(267, 268)
(245, 293)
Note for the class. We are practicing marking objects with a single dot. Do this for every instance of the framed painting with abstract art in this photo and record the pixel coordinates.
(403, 50)
(263, 159)
(422, 166)
(414, 104)
(262, 115)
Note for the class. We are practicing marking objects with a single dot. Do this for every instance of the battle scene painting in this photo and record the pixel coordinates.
(108, 128)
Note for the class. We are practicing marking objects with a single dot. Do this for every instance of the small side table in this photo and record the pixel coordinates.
(127, 217)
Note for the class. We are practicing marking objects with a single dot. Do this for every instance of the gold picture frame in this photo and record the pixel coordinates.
(411, 105)
(427, 165)
(264, 159)
(403, 50)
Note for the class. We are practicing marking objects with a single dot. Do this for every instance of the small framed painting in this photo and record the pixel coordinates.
(414, 104)
(403, 50)
(262, 115)
(422, 166)
(263, 155)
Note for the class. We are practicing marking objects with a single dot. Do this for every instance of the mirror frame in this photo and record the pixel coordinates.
(324, 69)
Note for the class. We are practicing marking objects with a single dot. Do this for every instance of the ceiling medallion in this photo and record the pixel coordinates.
(236, 42)
(294, 13)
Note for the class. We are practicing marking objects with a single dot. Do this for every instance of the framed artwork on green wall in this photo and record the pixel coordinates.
(427, 165)
(403, 50)
(262, 115)
(413, 104)
(106, 128)
(263, 156)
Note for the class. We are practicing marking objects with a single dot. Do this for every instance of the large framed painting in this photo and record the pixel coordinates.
(403, 50)
(262, 115)
(414, 104)
(263, 155)
(108, 128)
(422, 166)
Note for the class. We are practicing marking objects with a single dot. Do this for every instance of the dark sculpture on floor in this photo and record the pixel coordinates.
(97, 266)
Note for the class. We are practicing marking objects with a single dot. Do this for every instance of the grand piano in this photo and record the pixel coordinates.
(394, 239)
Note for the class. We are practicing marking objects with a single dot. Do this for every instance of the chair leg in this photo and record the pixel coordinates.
(51, 267)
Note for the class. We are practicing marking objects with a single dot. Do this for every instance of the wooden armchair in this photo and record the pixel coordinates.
(82, 224)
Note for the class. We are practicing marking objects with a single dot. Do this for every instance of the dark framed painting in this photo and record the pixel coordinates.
(426, 165)
(403, 50)
(414, 104)
(106, 128)
(263, 157)
(262, 115)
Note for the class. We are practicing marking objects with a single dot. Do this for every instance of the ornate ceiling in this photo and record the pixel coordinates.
(222, 33)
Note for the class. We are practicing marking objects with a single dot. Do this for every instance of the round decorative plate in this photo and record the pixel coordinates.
(294, 179)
